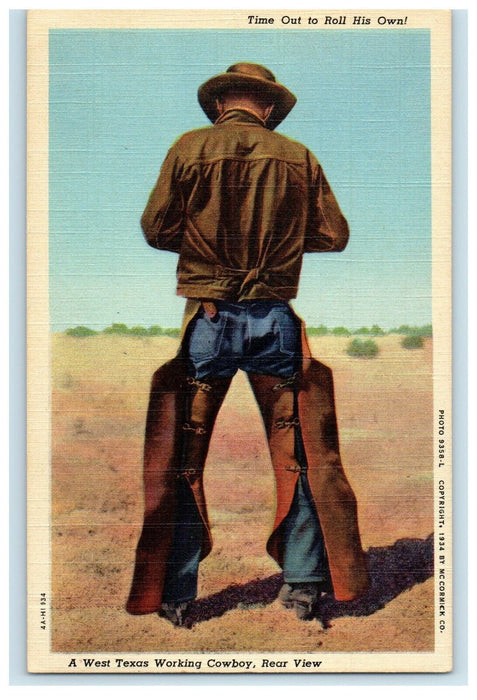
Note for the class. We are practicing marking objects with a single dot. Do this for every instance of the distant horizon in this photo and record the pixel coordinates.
(60, 327)
(165, 328)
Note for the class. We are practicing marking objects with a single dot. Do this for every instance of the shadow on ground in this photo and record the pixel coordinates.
(392, 570)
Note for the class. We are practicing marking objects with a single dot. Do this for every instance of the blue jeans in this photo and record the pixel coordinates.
(254, 336)
(261, 337)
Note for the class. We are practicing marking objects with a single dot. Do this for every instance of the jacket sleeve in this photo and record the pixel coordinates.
(163, 216)
(327, 228)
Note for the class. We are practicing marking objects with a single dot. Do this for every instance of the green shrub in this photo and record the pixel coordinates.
(317, 330)
(138, 330)
(117, 328)
(362, 348)
(424, 331)
(374, 330)
(172, 332)
(155, 330)
(123, 329)
(80, 332)
(340, 330)
(410, 342)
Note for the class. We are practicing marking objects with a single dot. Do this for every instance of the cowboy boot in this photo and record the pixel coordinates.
(302, 597)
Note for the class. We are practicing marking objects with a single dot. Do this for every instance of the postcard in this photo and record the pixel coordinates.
(239, 341)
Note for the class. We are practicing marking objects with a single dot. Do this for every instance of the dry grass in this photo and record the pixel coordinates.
(100, 393)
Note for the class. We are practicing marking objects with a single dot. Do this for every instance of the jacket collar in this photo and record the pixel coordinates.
(240, 115)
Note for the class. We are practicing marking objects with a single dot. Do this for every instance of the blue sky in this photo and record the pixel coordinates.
(119, 98)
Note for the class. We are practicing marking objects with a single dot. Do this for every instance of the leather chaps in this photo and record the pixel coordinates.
(181, 416)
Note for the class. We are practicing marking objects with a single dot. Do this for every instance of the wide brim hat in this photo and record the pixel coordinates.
(252, 78)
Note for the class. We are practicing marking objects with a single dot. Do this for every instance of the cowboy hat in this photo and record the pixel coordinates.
(250, 77)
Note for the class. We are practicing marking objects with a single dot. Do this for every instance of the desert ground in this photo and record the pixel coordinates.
(100, 391)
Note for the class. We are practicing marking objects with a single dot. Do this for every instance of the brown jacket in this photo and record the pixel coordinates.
(241, 204)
